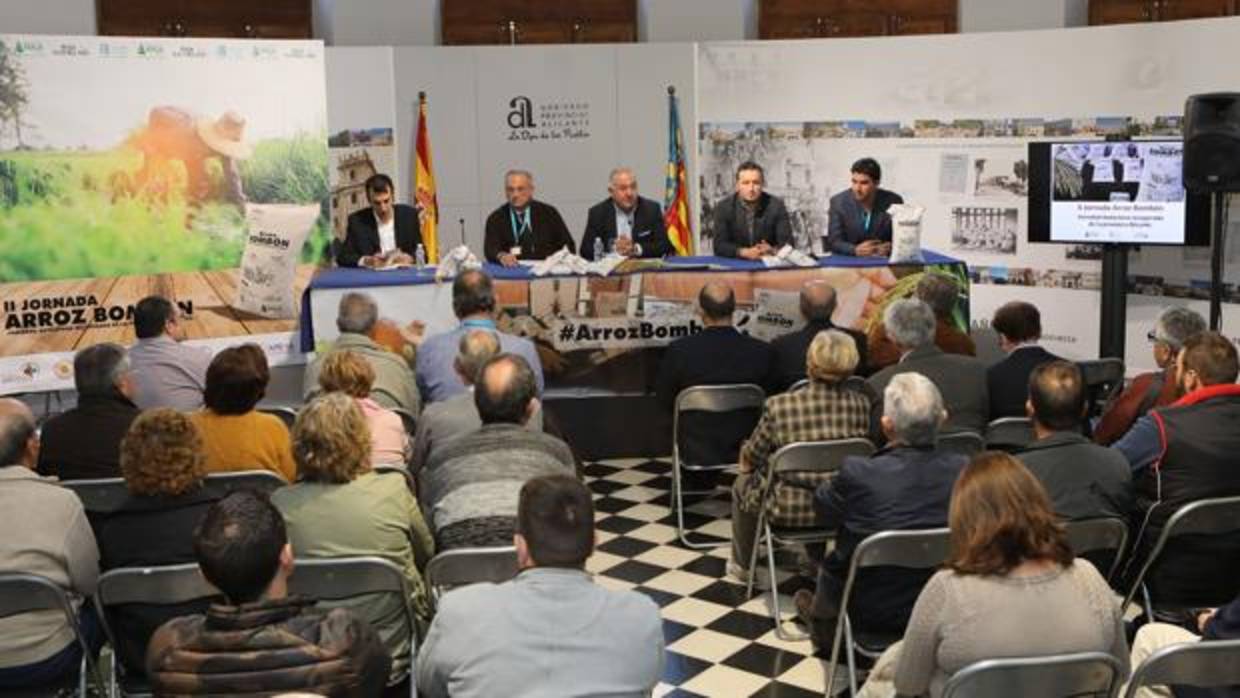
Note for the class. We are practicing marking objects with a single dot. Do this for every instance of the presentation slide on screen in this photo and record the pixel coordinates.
(1117, 192)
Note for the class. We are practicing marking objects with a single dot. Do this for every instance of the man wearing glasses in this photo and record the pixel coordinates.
(524, 228)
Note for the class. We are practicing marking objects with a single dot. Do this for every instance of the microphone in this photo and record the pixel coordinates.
(462, 222)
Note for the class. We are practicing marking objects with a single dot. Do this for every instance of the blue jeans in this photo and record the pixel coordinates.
(56, 668)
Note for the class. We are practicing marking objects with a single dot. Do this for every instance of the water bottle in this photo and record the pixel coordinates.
(419, 256)
(598, 248)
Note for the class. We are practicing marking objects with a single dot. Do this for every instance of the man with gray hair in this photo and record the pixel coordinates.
(1156, 388)
(906, 485)
(524, 228)
(628, 224)
(961, 380)
(85, 442)
(942, 293)
(357, 320)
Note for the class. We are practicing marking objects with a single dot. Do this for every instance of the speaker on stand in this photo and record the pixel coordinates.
(1212, 165)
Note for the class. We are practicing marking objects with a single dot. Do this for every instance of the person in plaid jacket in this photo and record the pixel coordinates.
(825, 409)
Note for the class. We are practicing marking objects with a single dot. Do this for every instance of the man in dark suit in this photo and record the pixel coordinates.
(817, 306)
(385, 233)
(961, 380)
(631, 225)
(524, 228)
(1019, 326)
(717, 355)
(750, 223)
(857, 220)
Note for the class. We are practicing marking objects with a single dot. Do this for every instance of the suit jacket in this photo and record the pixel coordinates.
(85, 442)
(649, 230)
(790, 352)
(960, 379)
(1083, 479)
(361, 238)
(714, 356)
(898, 488)
(770, 223)
(1008, 381)
(547, 236)
(883, 352)
(845, 220)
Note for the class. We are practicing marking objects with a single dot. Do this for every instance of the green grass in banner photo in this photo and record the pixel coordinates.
(67, 215)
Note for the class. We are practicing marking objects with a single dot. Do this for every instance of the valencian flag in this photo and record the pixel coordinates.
(676, 196)
(424, 187)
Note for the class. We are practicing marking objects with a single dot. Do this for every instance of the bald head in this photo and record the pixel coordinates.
(817, 301)
(506, 392)
(717, 302)
(18, 443)
(474, 350)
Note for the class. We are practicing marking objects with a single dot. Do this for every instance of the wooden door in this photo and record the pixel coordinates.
(1193, 9)
(1121, 11)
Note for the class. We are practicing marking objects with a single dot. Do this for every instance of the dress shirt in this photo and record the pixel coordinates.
(387, 234)
(436, 370)
(168, 373)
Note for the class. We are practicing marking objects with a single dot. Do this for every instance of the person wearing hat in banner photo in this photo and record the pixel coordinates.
(173, 133)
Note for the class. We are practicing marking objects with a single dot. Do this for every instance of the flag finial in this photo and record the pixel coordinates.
(671, 90)
(421, 96)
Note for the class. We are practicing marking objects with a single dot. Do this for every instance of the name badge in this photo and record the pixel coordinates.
(515, 251)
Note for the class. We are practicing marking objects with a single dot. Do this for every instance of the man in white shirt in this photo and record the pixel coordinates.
(385, 233)
(166, 372)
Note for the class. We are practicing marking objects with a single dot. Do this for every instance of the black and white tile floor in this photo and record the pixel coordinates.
(719, 643)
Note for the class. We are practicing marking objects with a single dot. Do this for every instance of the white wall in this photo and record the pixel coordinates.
(48, 17)
(1010, 15)
(697, 20)
(378, 22)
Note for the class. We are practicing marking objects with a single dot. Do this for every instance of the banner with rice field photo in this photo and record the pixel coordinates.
(192, 168)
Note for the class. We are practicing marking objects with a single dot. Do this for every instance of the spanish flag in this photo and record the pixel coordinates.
(676, 196)
(424, 186)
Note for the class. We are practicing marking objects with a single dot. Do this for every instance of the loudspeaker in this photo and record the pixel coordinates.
(1212, 142)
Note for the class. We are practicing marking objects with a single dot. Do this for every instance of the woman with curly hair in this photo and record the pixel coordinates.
(348, 373)
(162, 461)
(342, 508)
(1011, 587)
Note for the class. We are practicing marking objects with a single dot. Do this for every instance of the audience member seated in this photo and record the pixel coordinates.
(1019, 326)
(349, 373)
(357, 319)
(1156, 388)
(1011, 587)
(1221, 623)
(961, 380)
(906, 485)
(470, 486)
(824, 410)
(817, 305)
(941, 293)
(341, 508)
(458, 415)
(261, 640)
(235, 436)
(473, 301)
(45, 533)
(1185, 452)
(719, 354)
(166, 372)
(164, 468)
(1084, 480)
(84, 442)
(551, 631)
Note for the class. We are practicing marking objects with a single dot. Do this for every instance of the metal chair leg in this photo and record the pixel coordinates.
(753, 555)
(679, 503)
(780, 632)
(852, 656)
(835, 652)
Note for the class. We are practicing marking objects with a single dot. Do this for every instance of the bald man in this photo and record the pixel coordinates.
(817, 305)
(628, 224)
(717, 355)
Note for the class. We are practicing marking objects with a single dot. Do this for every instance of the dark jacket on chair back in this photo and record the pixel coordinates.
(85, 442)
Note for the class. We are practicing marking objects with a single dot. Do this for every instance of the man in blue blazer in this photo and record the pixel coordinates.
(632, 225)
(387, 232)
(857, 221)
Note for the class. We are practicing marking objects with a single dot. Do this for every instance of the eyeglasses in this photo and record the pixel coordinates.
(1153, 337)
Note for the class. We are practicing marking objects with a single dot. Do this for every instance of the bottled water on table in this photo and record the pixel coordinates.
(598, 248)
(419, 256)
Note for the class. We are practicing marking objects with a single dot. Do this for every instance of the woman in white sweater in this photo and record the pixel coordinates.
(1011, 587)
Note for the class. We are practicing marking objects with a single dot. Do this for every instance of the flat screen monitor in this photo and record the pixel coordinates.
(1129, 192)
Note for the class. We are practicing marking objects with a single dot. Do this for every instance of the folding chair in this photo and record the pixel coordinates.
(803, 383)
(407, 419)
(1056, 676)
(1103, 379)
(343, 578)
(966, 442)
(167, 585)
(714, 399)
(1099, 535)
(1203, 517)
(463, 566)
(1009, 433)
(101, 495)
(264, 481)
(1206, 664)
(819, 457)
(921, 549)
(285, 413)
(25, 593)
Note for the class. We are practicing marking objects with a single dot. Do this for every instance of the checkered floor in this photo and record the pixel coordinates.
(718, 642)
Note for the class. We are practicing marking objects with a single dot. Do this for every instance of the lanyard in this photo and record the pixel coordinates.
(523, 226)
(865, 220)
(478, 324)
